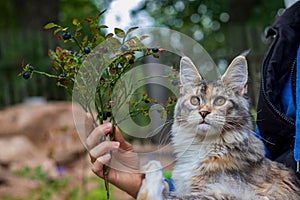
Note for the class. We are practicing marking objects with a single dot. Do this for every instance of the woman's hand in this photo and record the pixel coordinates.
(123, 161)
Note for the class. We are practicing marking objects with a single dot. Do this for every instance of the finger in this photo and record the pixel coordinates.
(123, 143)
(98, 165)
(102, 149)
(98, 132)
(89, 126)
(118, 135)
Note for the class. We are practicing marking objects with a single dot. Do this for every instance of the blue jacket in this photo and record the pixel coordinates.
(276, 109)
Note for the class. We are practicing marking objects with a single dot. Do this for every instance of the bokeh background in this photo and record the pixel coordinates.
(41, 156)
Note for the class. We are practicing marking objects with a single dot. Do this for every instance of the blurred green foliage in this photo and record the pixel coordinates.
(47, 188)
(22, 39)
(211, 22)
(207, 20)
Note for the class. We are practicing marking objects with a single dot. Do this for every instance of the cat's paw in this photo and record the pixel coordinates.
(153, 183)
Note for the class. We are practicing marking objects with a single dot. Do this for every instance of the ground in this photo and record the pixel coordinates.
(42, 157)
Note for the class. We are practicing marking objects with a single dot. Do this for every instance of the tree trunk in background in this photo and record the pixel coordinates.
(23, 40)
(34, 14)
(241, 37)
(241, 10)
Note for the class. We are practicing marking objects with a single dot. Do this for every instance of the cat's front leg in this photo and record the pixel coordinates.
(153, 183)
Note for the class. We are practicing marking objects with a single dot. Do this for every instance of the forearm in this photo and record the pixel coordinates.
(128, 182)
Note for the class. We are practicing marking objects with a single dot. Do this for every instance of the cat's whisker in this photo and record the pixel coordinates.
(163, 140)
(218, 154)
(159, 129)
(262, 138)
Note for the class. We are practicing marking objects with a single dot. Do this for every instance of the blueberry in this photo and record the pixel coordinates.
(70, 52)
(26, 75)
(62, 76)
(104, 116)
(155, 50)
(86, 50)
(78, 55)
(175, 82)
(66, 35)
(31, 68)
(124, 47)
(108, 114)
(131, 61)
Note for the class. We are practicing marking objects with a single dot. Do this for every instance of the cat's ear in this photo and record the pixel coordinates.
(236, 75)
(188, 72)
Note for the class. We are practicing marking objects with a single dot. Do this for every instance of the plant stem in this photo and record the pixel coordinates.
(77, 42)
(46, 74)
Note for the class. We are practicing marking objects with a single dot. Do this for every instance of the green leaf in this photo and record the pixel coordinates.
(155, 55)
(75, 21)
(88, 19)
(134, 40)
(132, 29)
(109, 35)
(143, 37)
(84, 41)
(52, 54)
(101, 13)
(78, 27)
(103, 26)
(50, 25)
(164, 114)
(119, 32)
(57, 30)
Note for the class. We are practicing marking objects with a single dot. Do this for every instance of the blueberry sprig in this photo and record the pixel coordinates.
(68, 61)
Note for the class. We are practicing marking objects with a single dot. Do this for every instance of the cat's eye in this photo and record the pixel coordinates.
(195, 100)
(219, 101)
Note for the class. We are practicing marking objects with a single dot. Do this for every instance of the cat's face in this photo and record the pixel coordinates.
(210, 108)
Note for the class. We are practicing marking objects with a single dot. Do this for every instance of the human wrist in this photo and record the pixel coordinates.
(136, 187)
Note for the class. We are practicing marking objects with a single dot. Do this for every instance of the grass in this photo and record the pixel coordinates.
(60, 188)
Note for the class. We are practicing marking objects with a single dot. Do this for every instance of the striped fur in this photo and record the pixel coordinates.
(218, 156)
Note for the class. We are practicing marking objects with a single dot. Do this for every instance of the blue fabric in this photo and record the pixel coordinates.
(257, 134)
(288, 107)
(171, 184)
(297, 135)
(287, 100)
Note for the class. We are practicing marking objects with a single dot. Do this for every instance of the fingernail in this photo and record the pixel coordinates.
(107, 126)
(88, 115)
(116, 144)
(104, 159)
(106, 156)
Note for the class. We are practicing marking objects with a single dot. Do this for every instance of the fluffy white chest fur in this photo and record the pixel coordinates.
(184, 170)
(190, 151)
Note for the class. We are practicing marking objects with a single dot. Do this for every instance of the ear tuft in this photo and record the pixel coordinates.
(236, 75)
(188, 72)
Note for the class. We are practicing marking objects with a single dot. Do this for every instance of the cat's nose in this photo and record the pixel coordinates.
(204, 113)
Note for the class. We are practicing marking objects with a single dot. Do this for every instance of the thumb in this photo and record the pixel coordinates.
(123, 143)
(88, 123)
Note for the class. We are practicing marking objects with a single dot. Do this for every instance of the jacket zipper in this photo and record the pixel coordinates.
(293, 82)
(280, 114)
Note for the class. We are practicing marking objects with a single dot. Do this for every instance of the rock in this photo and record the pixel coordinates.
(15, 149)
(35, 120)
(49, 126)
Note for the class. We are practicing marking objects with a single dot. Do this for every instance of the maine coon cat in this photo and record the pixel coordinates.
(218, 157)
